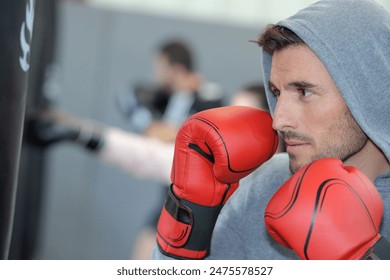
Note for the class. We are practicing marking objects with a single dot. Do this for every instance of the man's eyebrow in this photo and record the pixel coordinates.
(301, 84)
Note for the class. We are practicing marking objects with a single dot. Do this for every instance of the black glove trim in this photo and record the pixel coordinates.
(381, 250)
(203, 220)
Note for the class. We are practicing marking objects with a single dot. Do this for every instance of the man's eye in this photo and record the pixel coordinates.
(304, 92)
(275, 92)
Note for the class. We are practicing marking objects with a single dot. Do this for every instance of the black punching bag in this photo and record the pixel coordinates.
(33, 160)
(16, 32)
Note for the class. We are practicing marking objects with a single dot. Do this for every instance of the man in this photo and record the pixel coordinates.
(327, 68)
(189, 93)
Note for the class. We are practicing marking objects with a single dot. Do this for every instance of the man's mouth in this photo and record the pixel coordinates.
(294, 145)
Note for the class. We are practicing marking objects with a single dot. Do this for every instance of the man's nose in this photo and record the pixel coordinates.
(284, 116)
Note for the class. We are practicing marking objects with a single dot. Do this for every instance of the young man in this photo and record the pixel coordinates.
(189, 92)
(327, 68)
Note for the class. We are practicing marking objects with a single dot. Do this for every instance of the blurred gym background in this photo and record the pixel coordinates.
(69, 205)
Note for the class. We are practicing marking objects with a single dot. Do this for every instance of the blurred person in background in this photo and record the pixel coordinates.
(252, 95)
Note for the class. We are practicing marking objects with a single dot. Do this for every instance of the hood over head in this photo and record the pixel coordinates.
(352, 39)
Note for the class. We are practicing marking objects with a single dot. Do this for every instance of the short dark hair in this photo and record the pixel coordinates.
(178, 52)
(276, 37)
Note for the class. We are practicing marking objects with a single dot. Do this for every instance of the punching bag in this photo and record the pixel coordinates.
(33, 160)
(16, 33)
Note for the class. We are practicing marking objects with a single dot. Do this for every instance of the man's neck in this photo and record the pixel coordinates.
(370, 160)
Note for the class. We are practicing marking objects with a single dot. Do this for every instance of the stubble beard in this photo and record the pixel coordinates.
(342, 140)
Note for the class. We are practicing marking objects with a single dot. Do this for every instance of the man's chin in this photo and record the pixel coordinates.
(296, 165)
(293, 169)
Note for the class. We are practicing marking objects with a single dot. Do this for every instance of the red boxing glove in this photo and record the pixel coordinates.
(326, 211)
(214, 149)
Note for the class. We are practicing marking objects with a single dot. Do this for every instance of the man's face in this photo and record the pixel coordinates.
(163, 70)
(310, 113)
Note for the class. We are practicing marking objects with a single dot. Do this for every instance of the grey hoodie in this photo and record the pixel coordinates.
(352, 39)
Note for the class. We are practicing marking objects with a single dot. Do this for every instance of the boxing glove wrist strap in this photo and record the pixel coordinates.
(95, 143)
(380, 251)
(185, 228)
(90, 137)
